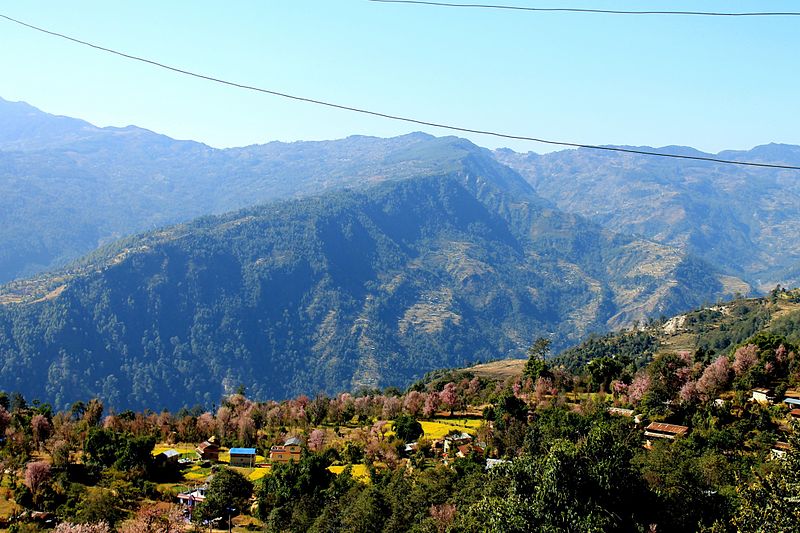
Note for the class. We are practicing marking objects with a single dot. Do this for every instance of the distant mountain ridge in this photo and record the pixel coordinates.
(746, 221)
(67, 186)
(106, 183)
(370, 286)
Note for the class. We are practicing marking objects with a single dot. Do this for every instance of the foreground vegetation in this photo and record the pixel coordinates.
(545, 451)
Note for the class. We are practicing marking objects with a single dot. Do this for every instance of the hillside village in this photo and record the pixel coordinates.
(680, 441)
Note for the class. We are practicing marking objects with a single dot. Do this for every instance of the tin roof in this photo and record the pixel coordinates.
(667, 428)
(243, 451)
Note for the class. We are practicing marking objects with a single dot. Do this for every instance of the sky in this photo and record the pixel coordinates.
(710, 83)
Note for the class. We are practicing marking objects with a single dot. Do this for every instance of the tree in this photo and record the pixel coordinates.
(100, 506)
(40, 429)
(745, 358)
(134, 453)
(431, 405)
(293, 483)
(602, 370)
(18, 402)
(449, 396)
(93, 412)
(5, 420)
(769, 503)
(100, 447)
(715, 378)
(228, 493)
(37, 479)
(154, 519)
(124, 451)
(537, 354)
(316, 440)
(407, 428)
(639, 387)
(414, 403)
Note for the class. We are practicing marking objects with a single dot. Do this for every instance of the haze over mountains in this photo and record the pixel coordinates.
(744, 220)
(110, 182)
(395, 257)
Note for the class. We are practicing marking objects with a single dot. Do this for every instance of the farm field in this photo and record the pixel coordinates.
(438, 428)
(359, 471)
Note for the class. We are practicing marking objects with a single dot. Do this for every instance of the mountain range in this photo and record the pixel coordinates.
(318, 266)
(744, 220)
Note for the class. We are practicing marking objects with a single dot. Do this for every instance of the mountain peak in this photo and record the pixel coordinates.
(26, 127)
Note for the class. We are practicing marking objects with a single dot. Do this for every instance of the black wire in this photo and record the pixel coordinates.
(397, 117)
(601, 11)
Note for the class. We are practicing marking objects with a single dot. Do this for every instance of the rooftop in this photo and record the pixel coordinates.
(662, 427)
(243, 451)
(463, 436)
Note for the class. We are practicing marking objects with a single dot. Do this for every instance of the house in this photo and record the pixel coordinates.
(243, 457)
(762, 395)
(466, 449)
(290, 451)
(779, 450)
(208, 450)
(167, 457)
(189, 499)
(619, 411)
(794, 414)
(452, 442)
(661, 430)
(491, 463)
(437, 446)
(792, 398)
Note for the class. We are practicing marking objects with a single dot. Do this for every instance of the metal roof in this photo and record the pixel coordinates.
(667, 428)
(243, 451)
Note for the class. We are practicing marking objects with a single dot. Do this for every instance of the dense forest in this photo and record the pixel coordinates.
(370, 287)
(676, 441)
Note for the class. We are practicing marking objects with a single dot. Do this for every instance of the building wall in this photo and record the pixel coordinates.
(284, 457)
(242, 460)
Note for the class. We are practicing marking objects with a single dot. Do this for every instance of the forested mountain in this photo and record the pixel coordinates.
(367, 287)
(744, 220)
(67, 187)
(106, 183)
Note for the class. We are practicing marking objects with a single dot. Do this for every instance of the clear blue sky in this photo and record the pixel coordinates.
(711, 83)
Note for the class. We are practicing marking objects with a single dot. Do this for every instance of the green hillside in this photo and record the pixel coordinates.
(346, 290)
(705, 332)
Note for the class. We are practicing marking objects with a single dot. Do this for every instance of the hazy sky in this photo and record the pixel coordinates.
(711, 83)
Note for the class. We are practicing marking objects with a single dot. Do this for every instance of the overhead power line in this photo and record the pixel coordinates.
(395, 117)
(599, 11)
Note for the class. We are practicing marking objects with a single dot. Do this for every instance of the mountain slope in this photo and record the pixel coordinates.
(746, 221)
(705, 332)
(369, 287)
(109, 182)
